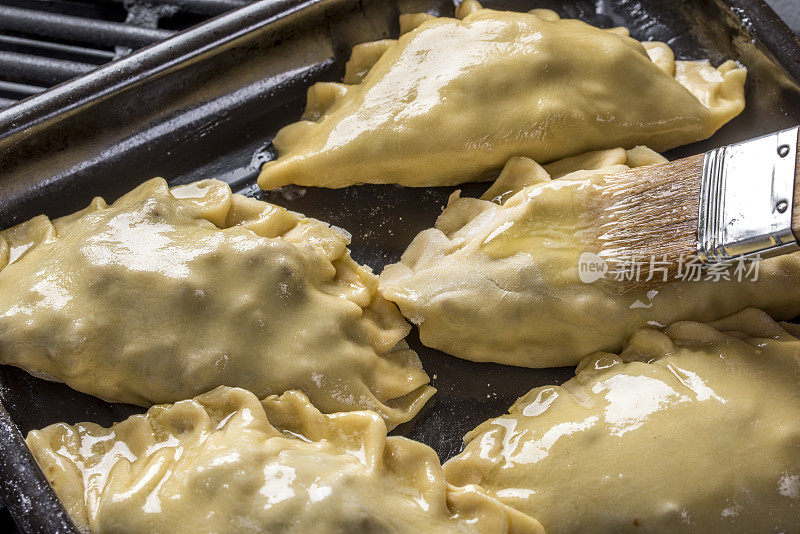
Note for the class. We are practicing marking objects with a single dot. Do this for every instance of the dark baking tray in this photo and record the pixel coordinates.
(207, 102)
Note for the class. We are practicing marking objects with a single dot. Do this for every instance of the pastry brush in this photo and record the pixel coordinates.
(734, 202)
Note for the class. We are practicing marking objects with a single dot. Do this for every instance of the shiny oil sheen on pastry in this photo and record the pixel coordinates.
(498, 280)
(225, 462)
(693, 429)
(166, 294)
(452, 100)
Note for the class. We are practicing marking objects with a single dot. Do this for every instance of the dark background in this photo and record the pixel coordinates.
(788, 9)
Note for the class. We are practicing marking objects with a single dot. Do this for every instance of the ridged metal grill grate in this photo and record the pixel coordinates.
(45, 42)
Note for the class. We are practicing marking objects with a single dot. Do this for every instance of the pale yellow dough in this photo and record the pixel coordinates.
(499, 282)
(166, 294)
(451, 101)
(696, 429)
(226, 463)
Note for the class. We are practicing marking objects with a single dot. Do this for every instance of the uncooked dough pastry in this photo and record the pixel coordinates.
(452, 100)
(223, 462)
(694, 429)
(166, 294)
(498, 280)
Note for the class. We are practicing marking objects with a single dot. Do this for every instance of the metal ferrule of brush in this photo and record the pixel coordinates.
(746, 198)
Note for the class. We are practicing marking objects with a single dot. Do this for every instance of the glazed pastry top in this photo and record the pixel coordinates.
(225, 462)
(452, 100)
(166, 294)
(694, 429)
(497, 278)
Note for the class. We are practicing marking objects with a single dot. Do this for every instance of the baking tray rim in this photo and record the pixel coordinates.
(21, 483)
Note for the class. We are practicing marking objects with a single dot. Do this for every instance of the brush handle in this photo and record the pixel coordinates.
(750, 199)
(796, 195)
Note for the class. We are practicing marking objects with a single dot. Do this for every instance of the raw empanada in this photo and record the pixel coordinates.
(223, 462)
(167, 294)
(696, 429)
(499, 281)
(452, 100)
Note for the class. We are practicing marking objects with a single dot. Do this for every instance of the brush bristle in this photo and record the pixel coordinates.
(648, 214)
